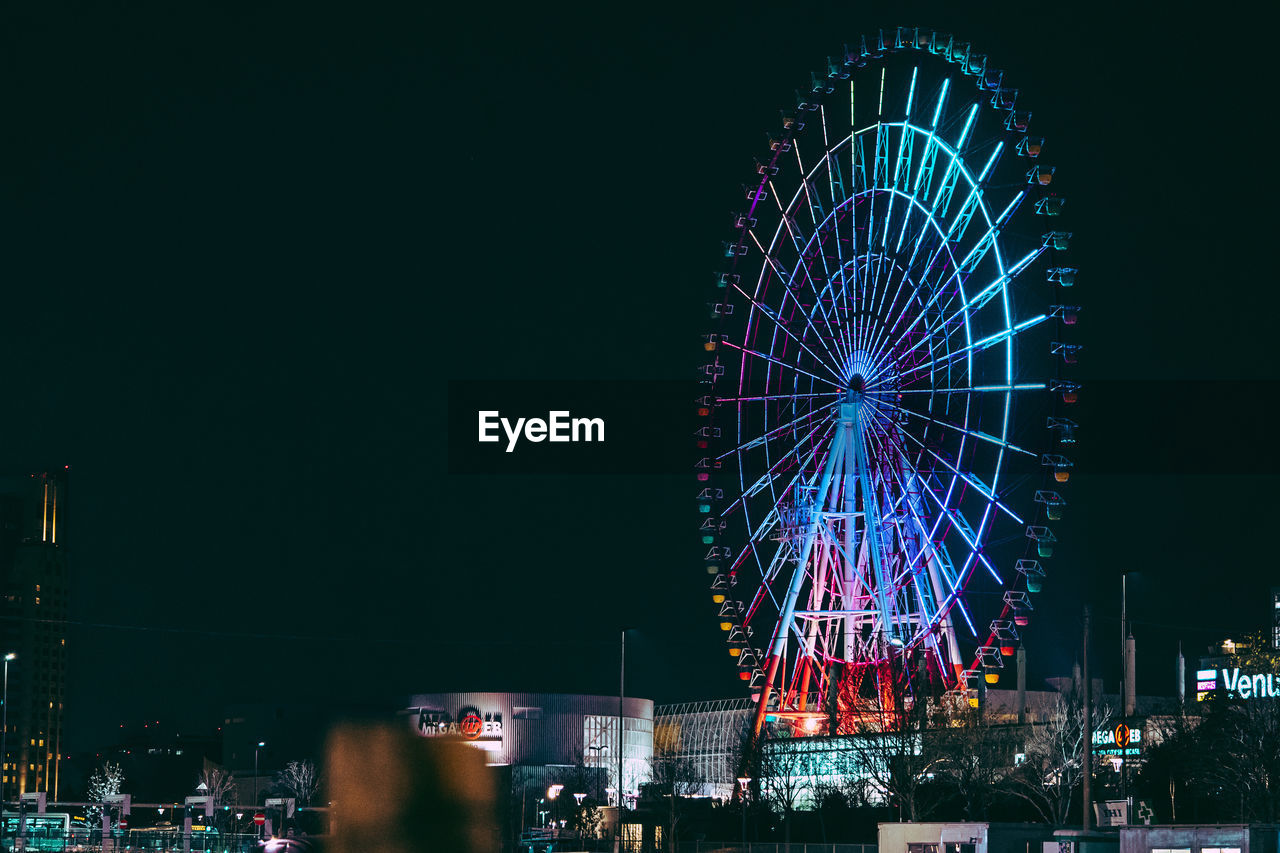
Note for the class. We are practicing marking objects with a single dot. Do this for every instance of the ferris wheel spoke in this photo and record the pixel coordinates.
(987, 294)
(972, 479)
(961, 219)
(866, 309)
(816, 247)
(768, 397)
(927, 533)
(766, 478)
(798, 238)
(976, 389)
(950, 175)
(974, 303)
(783, 328)
(787, 280)
(935, 559)
(886, 328)
(975, 347)
(764, 437)
(780, 363)
(816, 213)
(820, 250)
(961, 525)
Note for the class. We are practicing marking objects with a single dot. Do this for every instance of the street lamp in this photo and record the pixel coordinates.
(599, 751)
(553, 794)
(4, 736)
(260, 745)
(743, 782)
(4, 746)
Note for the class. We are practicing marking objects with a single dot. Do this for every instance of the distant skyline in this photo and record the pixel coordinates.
(246, 249)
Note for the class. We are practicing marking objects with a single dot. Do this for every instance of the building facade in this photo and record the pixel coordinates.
(1200, 838)
(547, 736)
(33, 618)
(708, 735)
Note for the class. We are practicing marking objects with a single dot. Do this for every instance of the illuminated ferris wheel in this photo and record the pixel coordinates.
(882, 439)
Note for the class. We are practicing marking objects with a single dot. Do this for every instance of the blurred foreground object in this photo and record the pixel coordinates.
(397, 793)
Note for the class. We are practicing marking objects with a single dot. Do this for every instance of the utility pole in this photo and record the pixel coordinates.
(1124, 687)
(622, 684)
(1087, 691)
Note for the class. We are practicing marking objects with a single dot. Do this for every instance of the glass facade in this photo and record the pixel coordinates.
(600, 749)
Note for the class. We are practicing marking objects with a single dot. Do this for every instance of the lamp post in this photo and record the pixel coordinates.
(1125, 685)
(743, 782)
(553, 794)
(260, 745)
(4, 739)
(599, 750)
(622, 726)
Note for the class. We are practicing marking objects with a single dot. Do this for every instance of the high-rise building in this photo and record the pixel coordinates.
(33, 626)
(1275, 616)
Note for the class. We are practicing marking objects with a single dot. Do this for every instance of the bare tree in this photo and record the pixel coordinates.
(674, 777)
(1240, 743)
(1054, 757)
(974, 756)
(786, 769)
(104, 782)
(219, 785)
(834, 788)
(891, 747)
(300, 780)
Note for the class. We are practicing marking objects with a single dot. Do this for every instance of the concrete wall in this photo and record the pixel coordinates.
(1249, 839)
(986, 837)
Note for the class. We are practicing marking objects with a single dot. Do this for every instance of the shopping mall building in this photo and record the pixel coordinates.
(548, 738)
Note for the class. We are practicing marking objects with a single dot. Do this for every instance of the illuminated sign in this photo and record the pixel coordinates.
(470, 723)
(1246, 685)
(1120, 740)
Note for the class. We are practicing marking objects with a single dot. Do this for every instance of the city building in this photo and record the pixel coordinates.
(33, 619)
(547, 738)
(159, 764)
(1275, 617)
(1221, 673)
(964, 837)
(1211, 838)
(709, 735)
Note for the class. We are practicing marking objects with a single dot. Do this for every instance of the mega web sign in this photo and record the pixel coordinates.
(1246, 685)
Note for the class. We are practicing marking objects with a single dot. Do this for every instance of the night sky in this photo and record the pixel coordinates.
(246, 245)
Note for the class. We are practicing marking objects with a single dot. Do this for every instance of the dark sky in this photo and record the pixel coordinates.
(246, 245)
